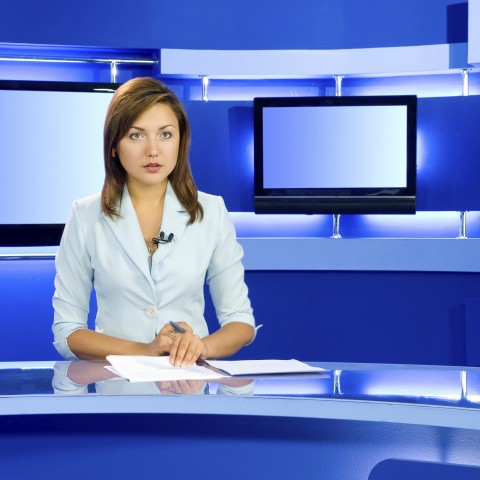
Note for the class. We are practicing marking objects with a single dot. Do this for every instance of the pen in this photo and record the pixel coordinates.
(177, 327)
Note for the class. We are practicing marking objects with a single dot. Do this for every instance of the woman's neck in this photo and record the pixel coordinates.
(147, 196)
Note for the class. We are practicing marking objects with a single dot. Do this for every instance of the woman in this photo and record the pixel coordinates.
(147, 244)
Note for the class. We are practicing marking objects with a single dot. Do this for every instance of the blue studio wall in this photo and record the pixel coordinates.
(337, 311)
(269, 24)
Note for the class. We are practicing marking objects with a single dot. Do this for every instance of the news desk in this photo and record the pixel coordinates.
(75, 420)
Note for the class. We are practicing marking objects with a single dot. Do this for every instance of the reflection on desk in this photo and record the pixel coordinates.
(82, 377)
(424, 385)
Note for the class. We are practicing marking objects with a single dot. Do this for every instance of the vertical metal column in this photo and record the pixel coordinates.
(113, 71)
(465, 92)
(465, 82)
(336, 226)
(336, 216)
(337, 388)
(205, 82)
(463, 226)
(338, 85)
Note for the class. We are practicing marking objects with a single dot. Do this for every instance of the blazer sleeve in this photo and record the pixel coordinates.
(225, 274)
(73, 284)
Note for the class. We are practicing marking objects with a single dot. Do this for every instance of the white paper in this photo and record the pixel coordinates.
(258, 367)
(156, 369)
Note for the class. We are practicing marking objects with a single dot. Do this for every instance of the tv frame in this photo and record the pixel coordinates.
(43, 234)
(335, 200)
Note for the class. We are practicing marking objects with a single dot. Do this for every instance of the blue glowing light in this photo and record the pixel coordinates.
(248, 224)
(418, 383)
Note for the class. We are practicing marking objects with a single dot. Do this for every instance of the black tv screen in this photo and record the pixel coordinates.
(51, 154)
(335, 155)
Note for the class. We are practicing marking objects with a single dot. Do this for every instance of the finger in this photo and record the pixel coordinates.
(198, 385)
(191, 386)
(195, 354)
(184, 386)
(192, 352)
(164, 387)
(179, 347)
(186, 344)
(188, 350)
(176, 386)
(173, 349)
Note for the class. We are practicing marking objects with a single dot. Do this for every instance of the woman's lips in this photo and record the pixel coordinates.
(153, 167)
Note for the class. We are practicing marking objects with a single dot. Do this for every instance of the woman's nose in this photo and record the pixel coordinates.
(152, 148)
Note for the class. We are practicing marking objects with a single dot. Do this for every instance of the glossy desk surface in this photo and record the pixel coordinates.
(408, 394)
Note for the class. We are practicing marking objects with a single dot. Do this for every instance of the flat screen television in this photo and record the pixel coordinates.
(335, 155)
(51, 154)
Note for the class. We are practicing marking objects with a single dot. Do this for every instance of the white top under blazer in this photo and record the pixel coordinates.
(135, 300)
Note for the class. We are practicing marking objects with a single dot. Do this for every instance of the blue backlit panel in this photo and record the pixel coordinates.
(449, 174)
(52, 152)
(303, 147)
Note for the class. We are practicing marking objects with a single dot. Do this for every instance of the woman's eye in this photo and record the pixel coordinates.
(166, 135)
(136, 136)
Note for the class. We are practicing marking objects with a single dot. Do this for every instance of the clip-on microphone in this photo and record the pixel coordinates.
(161, 240)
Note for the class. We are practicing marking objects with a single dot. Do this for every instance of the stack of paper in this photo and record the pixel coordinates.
(156, 369)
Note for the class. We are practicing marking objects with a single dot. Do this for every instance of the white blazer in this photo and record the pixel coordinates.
(135, 301)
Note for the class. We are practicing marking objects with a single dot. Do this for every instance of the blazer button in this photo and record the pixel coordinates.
(151, 311)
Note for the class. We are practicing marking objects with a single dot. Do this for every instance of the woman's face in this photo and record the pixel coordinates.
(149, 150)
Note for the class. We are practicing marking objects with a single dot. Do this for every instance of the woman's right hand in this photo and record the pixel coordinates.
(163, 341)
(160, 345)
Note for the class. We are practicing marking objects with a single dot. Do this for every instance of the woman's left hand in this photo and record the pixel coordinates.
(181, 386)
(186, 347)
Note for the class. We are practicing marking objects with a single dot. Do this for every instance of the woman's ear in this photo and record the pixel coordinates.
(114, 152)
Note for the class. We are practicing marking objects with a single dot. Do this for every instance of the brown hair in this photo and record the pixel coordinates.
(128, 103)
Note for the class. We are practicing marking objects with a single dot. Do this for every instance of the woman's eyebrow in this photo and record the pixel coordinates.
(161, 128)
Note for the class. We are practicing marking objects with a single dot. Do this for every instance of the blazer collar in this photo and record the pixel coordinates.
(129, 235)
(174, 221)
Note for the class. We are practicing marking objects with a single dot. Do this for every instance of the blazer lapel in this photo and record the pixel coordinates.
(129, 235)
(174, 220)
